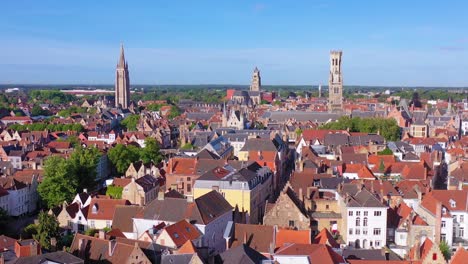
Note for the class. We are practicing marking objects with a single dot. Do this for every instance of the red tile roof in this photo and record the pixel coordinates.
(322, 254)
(326, 238)
(460, 256)
(289, 236)
(181, 232)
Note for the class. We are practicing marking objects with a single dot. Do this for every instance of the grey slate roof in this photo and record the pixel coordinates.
(242, 254)
(319, 117)
(54, 257)
(207, 208)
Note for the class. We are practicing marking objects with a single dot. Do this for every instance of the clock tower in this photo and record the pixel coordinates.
(335, 83)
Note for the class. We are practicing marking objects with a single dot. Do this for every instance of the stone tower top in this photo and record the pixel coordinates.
(256, 84)
(335, 82)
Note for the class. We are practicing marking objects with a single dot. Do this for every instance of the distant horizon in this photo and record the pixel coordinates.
(81, 85)
(389, 43)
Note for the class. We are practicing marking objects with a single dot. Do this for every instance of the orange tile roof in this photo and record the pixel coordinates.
(187, 248)
(322, 254)
(460, 256)
(181, 232)
(289, 236)
(376, 159)
(326, 238)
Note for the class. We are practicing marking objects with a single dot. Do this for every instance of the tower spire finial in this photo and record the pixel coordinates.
(122, 56)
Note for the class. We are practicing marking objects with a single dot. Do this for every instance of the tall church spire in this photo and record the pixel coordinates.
(122, 82)
(121, 63)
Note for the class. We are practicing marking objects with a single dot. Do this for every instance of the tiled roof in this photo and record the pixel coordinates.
(241, 254)
(288, 236)
(257, 237)
(123, 217)
(326, 238)
(460, 256)
(203, 210)
(104, 209)
(319, 253)
(181, 232)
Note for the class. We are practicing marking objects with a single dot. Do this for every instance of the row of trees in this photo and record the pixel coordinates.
(63, 178)
(51, 96)
(41, 126)
(388, 128)
(121, 156)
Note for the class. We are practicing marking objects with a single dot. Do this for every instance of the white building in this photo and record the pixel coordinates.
(366, 219)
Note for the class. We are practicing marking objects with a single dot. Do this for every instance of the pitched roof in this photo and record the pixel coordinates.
(187, 248)
(123, 217)
(203, 210)
(181, 232)
(326, 238)
(257, 237)
(241, 254)
(103, 208)
(289, 236)
(318, 253)
(460, 256)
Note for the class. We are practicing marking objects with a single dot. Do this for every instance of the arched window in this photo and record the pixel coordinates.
(358, 221)
(364, 223)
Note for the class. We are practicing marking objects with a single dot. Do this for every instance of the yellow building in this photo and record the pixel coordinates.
(246, 187)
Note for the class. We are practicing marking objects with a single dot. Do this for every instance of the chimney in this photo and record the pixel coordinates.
(2, 259)
(112, 244)
(53, 244)
(438, 222)
(189, 198)
(85, 190)
(161, 196)
(245, 238)
(301, 197)
(81, 246)
(102, 234)
(34, 246)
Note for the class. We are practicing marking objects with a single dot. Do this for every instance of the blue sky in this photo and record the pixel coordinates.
(401, 43)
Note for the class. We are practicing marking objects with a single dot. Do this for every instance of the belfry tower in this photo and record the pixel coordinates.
(256, 84)
(122, 82)
(335, 83)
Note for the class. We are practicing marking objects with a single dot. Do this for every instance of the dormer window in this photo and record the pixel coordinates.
(453, 204)
(95, 209)
(444, 210)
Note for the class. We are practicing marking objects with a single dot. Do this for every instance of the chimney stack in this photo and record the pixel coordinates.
(102, 234)
(160, 195)
(112, 244)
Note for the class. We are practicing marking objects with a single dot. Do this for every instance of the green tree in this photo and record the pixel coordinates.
(114, 191)
(174, 112)
(91, 232)
(151, 151)
(38, 111)
(58, 185)
(386, 151)
(381, 166)
(83, 163)
(121, 156)
(47, 228)
(29, 231)
(445, 249)
(187, 146)
(4, 219)
(130, 122)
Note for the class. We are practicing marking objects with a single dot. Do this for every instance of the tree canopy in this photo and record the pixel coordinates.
(57, 185)
(122, 156)
(63, 178)
(130, 122)
(388, 128)
(47, 228)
